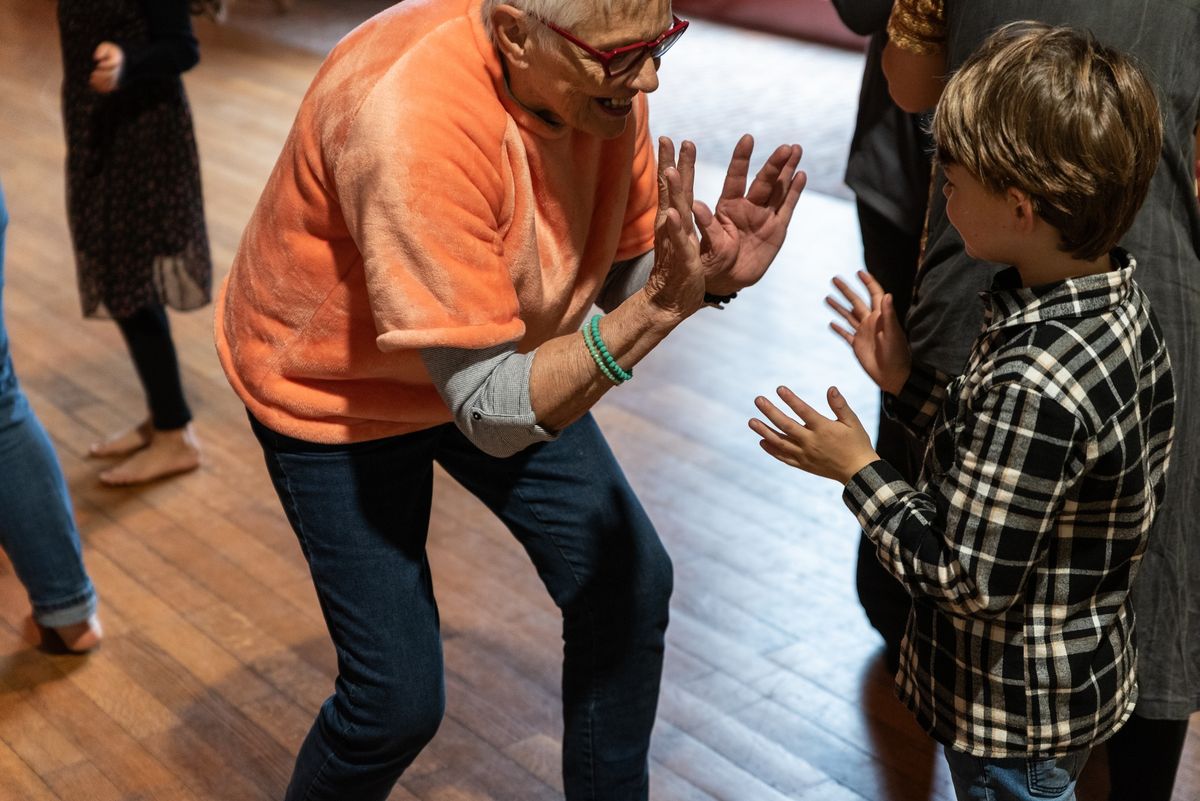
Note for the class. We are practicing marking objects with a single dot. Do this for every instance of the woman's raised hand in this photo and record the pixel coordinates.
(874, 332)
(677, 282)
(740, 240)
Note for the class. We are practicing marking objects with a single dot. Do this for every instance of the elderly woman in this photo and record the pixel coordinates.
(463, 182)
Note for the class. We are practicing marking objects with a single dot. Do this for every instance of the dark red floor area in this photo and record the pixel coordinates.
(813, 20)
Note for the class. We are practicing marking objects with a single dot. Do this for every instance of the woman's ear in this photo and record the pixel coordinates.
(1020, 206)
(512, 34)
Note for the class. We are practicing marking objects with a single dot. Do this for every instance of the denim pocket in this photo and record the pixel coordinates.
(1046, 778)
(1052, 778)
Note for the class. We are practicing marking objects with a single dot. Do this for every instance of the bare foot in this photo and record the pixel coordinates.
(168, 453)
(77, 638)
(124, 443)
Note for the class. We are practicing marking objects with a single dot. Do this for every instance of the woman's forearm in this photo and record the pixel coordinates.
(565, 381)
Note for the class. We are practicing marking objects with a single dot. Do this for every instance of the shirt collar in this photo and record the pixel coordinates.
(526, 119)
(1008, 303)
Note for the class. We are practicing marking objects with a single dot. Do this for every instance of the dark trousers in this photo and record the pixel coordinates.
(148, 335)
(890, 255)
(361, 514)
(1143, 758)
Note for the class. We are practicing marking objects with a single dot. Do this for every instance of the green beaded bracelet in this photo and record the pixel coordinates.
(608, 359)
(596, 357)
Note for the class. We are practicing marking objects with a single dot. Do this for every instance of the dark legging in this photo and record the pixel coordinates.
(1143, 758)
(891, 256)
(148, 335)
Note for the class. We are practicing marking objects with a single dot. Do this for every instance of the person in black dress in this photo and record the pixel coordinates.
(134, 204)
(889, 169)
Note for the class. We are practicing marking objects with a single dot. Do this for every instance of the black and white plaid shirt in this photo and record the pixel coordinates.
(1044, 469)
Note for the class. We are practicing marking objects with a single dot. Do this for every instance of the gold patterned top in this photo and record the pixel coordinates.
(918, 26)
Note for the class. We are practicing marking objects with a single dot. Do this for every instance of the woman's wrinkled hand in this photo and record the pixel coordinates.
(676, 284)
(740, 239)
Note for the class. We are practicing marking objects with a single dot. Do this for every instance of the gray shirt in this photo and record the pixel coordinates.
(946, 313)
(889, 162)
(488, 390)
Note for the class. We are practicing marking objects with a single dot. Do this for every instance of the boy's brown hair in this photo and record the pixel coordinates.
(1050, 111)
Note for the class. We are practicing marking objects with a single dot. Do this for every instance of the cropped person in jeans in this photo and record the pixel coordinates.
(37, 527)
(411, 290)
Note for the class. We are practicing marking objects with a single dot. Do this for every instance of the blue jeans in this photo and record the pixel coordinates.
(37, 525)
(361, 514)
(1018, 779)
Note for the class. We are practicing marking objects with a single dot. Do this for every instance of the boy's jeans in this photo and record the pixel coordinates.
(1018, 779)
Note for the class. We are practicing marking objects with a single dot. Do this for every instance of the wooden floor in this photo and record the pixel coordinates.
(216, 656)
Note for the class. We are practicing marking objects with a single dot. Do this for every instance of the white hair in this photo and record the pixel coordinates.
(563, 13)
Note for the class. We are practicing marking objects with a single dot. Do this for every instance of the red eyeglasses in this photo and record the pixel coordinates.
(623, 59)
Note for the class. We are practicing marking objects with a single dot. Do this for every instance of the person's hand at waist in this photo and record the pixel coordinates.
(874, 333)
(740, 239)
(110, 61)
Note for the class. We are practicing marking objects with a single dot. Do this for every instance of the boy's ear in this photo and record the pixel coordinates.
(511, 26)
(1020, 205)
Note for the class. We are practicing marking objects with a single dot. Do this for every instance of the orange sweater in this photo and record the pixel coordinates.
(416, 204)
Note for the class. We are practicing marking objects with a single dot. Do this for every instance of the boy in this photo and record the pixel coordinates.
(1047, 455)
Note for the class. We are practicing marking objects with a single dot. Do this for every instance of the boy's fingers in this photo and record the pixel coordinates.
(859, 305)
(891, 323)
(843, 333)
(786, 425)
(781, 453)
(806, 413)
(842, 409)
(842, 311)
(873, 287)
(764, 430)
(782, 448)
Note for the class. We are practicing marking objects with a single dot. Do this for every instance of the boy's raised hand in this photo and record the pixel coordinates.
(874, 333)
(835, 449)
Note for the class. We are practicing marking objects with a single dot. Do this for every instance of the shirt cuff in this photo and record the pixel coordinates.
(871, 495)
(919, 399)
(488, 393)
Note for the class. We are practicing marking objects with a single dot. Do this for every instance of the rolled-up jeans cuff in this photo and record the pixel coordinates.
(73, 610)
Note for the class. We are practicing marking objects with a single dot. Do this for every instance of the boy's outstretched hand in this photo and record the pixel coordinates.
(835, 449)
(874, 333)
